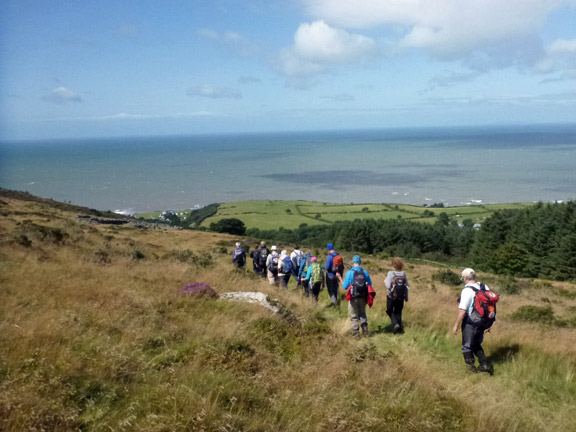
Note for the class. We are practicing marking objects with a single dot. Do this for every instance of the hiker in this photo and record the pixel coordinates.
(472, 334)
(284, 268)
(359, 293)
(239, 256)
(334, 266)
(257, 264)
(255, 255)
(296, 256)
(303, 271)
(263, 259)
(272, 266)
(313, 280)
(397, 285)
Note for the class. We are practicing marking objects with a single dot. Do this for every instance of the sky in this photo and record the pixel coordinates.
(112, 68)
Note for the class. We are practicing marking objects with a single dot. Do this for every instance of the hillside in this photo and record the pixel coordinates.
(96, 335)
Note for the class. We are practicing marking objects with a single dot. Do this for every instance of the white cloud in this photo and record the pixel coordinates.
(247, 79)
(208, 91)
(317, 46)
(126, 116)
(341, 97)
(450, 29)
(61, 96)
(560, 55)
(231, 40)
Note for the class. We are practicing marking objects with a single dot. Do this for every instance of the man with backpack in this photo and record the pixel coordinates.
(272, 265)
(255, 255)
(397, 285)
(313, 280)
(359, 292)
(296, 256)
(239, 256)
(334, 271)
(476, 313)
(284, 268)
(263, 259)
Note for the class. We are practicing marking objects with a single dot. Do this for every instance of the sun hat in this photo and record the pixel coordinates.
(273, 248)
(468, 273)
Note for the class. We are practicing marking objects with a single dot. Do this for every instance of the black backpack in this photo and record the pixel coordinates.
(359, 287)
(399, 287)
(263, 256)
(274, 264)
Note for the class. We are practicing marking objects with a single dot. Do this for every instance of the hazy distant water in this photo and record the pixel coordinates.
(415, 166)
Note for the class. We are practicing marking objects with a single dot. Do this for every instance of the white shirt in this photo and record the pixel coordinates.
(467, 297)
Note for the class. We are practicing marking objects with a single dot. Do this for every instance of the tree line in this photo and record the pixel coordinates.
(537, 241)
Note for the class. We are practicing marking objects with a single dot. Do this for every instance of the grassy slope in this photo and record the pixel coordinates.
(94, 336)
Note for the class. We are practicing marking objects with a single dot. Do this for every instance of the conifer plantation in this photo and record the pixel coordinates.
(102, 328)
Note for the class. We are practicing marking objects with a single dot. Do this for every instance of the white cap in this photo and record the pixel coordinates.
(273, 248)
(468, 274)
(238, 244)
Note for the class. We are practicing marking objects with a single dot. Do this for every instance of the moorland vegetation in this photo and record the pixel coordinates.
(96, 334)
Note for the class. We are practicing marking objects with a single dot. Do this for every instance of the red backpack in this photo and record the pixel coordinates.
(484, 310)
(337, 264)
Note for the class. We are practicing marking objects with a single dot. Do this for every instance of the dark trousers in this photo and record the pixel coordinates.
(332, 287)
(472, 338)
(306, 286)
(315, 290)
(284, 278)
(394, 310)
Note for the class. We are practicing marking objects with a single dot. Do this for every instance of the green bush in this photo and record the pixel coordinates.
(447, 277)
(229, 226)
(535, 314)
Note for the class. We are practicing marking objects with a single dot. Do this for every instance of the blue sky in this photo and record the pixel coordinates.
(98, 68)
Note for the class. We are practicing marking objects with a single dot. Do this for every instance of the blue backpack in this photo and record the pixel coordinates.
(287, 265)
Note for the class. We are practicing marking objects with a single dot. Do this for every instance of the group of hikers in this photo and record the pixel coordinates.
(476, 308)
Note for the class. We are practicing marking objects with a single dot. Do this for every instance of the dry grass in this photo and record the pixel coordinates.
(94, 335)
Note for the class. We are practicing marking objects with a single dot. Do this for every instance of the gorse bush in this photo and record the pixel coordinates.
(535, 314)
(447, 277)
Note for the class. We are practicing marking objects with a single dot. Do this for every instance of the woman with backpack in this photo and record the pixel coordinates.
(359, 293)
(314, 278)
(397, 284)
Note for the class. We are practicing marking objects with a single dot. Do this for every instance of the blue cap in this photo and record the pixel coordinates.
(330, 246)
(356, 259)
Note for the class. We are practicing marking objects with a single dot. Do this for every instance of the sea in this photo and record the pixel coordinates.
(453, 166)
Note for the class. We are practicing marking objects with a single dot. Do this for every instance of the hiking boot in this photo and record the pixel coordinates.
(365, 329)
(470, 361)
(397, 328)
(485, 367)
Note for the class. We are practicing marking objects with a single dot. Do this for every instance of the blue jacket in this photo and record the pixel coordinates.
(303, 264)
(349, 279)
(328, 266)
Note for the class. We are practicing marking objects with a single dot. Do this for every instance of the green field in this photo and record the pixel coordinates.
(291, 214)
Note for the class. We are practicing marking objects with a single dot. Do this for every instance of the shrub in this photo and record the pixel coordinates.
(230, 226)
(136, 254)
(204, 259)
(447, 277)
(536, 314)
